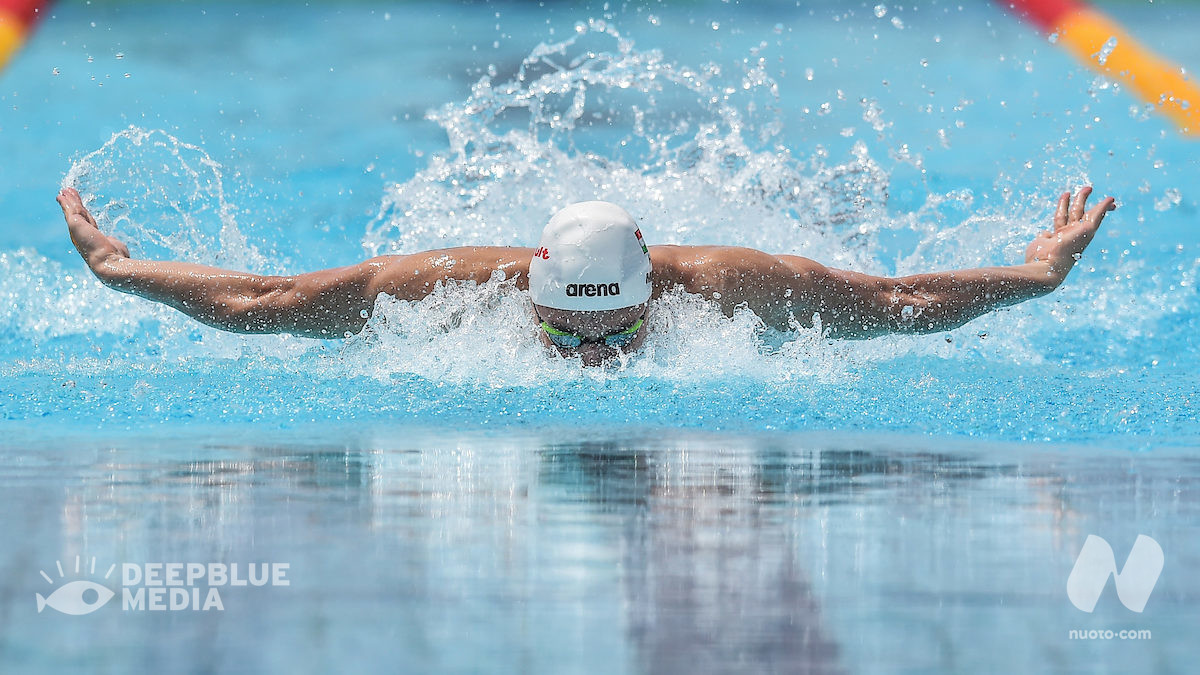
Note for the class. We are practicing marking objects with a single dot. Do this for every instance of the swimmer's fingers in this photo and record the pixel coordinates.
(1096, 215)
(1088, 224)
(71, 203)
(1060, 214)
(72, 207)
(1080, 203)
(91, 243)
(79, 222)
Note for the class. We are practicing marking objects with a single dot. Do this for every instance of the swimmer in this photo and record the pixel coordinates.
(591, 282)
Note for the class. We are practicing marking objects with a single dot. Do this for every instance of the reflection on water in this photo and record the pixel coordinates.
(618, 552)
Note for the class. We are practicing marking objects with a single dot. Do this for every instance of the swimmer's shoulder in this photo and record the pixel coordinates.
(672, 266)
(412, 276)
(697, 268)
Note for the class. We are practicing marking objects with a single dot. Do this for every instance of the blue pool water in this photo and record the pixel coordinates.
(447, 495)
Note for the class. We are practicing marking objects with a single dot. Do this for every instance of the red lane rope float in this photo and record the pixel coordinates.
(1099, 42)
(16, 19)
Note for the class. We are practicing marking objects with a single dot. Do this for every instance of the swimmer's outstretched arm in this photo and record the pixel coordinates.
(325, 304)
(860, 305)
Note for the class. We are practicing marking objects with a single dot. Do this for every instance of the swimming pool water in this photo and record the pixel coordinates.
(908, 501)
(257, 150)
(616, 551)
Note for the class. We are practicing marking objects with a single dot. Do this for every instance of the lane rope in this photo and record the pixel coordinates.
(17, 18)
(1099, 42)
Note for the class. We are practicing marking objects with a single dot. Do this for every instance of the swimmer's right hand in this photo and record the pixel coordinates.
(98, 250)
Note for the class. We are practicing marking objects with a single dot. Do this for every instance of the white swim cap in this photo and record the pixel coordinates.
(591, 258)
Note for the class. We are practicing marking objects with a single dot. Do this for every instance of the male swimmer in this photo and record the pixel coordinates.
(591, 281)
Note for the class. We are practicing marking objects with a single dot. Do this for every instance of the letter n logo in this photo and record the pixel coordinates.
(1096, 563)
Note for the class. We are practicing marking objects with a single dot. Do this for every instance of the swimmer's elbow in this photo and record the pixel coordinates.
(260, 308)
(905, 309)
(309, 305)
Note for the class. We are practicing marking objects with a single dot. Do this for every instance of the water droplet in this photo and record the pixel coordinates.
(716, 25)
(880, 11)
(653, 19)
(1171, 197)
(1109, 45)
(897, 23)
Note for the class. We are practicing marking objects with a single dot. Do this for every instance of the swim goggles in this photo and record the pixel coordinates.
(569, 341)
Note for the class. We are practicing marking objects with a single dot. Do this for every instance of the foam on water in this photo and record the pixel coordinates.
(693, 152)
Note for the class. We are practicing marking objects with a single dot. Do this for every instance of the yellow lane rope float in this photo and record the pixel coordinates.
(16, 19)
(1103, 45)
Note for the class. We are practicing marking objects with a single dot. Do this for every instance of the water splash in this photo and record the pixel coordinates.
(555, 133)
(692, 151)
(164, 198)
(581, 119)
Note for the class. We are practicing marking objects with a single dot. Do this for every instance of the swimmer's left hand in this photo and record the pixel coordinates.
(1060, 248)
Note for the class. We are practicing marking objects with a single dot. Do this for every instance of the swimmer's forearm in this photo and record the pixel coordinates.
(322, 304)
(941, 301)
